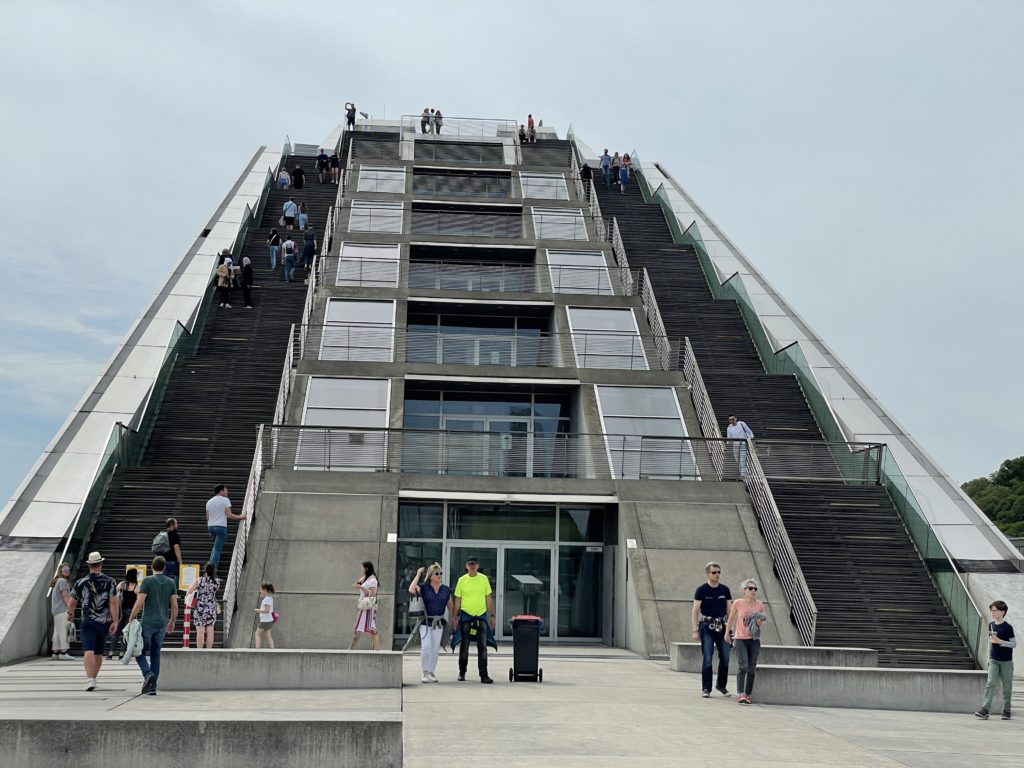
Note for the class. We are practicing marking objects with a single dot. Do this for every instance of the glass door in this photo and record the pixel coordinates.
(526, 586)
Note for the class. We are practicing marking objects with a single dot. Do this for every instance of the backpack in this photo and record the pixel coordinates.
(289, 247)
(161, 543)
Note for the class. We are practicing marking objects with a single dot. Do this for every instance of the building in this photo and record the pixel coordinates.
(495, 354)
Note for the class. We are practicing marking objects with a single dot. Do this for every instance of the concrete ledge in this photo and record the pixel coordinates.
(687, 657)
(249, 669)
(921, 690)
(358, 741)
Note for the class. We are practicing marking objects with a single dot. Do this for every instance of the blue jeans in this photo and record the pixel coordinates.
(289, 267)
(219, 534)
(709, 641)
(152, 642)
(605, 174)
(273, 255)
(171, 570)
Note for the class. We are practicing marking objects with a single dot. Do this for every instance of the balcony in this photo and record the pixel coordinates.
(442, 183)
(500, 454)
(369, 342)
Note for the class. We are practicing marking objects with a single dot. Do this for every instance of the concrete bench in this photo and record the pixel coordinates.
(248, 669)
(922, 690)
(687, 657)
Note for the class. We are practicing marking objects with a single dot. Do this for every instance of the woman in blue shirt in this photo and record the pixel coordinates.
(437, 601)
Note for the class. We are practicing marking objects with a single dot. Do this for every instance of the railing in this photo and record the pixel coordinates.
(787, 567)
(381, 343)
(462, 185)
(460, 127)
(385, 219)
(650, 303)
(284, 391)
(619, 253)
(574, 174)
(467, 224)
(313, 279)
(494, 454)
(595, 211)
(701, 400)
(252, 489)
(325, 244)
(467, 276)
(846, 463)
(362, 273)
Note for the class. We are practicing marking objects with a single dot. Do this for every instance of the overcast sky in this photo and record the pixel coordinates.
(866, 156)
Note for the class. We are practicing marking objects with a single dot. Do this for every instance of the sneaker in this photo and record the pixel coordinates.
(741, 699)
(149, 684)
(425, 678)
(723, 691)
(90, 684)
(462, 677)
(705, 694)
(221, 304)
(981, 714)
(433, 677)
(227, 306)
(65, 657)
(1005, 716)
(486, 680)
(151, 693)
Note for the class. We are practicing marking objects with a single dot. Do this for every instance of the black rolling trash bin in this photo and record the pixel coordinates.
(526, 649)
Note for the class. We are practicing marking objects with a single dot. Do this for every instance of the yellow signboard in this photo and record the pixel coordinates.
(188, 575)
(141, 569)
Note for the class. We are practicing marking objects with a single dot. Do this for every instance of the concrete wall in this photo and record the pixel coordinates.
(687, 657)
(309, 539)
(25, 625)
(244, 669)
(679, 527)
(372, 741)
(921, 690)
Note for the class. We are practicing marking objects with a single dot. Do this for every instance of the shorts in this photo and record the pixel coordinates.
(93, 635)
(265, 625)
(289, 220)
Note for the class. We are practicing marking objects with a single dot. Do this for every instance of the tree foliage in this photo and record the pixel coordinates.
(1001, 496)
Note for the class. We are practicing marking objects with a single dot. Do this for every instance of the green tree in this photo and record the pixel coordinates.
(1001, 496)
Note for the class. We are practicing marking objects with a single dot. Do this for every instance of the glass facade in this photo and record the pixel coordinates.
(541, 559)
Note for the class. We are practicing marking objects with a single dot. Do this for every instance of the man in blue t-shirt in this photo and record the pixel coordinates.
(711, 603)
(1000, 660)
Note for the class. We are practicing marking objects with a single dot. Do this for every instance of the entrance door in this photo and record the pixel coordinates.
(526, 586)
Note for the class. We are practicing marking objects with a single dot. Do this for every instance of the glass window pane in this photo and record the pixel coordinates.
(370, 251)
(346, 311)
(491, 521)
(580, 576)
(363, 264)
(581, 524)
(377, 179)
(412, 555)
(375, 216)
(337, 417)
(634, 425)
(420, 520)
(577, 258)
(585, 319)
(559, 223)
(330, 392)
(548, 186)
(638, 401)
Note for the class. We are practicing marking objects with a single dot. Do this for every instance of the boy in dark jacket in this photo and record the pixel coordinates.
(1000, 660)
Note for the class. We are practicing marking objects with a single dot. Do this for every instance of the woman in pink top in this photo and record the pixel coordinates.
(746, 617)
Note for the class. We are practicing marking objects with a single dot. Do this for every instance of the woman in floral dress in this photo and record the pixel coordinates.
(204, 612)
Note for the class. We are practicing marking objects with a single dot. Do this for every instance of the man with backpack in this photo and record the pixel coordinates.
(168, 544)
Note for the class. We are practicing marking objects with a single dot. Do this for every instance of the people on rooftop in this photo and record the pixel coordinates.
(522, 134)
(438, 121)
(426, 120)
(350, 115)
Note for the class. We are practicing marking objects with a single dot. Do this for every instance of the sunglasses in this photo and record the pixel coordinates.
(752, 589)
(714, 573)
(437, 573)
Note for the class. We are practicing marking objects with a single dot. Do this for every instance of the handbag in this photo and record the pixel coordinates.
(367, 603)
(416, 606)
(281, 221)
(275, 616)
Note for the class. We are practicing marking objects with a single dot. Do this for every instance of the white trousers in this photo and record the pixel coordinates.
(60, 632)
(430, 646)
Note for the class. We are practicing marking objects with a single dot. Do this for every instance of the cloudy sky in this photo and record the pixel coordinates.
(865, 155)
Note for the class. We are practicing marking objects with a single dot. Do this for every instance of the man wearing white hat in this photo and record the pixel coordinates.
(97, 593)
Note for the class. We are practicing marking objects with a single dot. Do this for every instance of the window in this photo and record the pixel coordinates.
(547, 186)
(375, 216)
(579, 272)
(368, 266)
(606, 338)
(360, 408)
(381, 179)
(559, 224)
(645, 434)
(358, 330)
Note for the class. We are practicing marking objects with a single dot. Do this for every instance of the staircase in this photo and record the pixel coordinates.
(547, 152)
(205, 429)
(852, 546)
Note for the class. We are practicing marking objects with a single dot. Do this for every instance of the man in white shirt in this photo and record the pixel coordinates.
(218, 512)
(291, 211)
(738, 430)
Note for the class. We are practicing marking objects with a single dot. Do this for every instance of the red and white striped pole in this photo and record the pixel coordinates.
(186, 627)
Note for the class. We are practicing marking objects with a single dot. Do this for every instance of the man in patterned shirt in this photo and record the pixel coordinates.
(97, 595)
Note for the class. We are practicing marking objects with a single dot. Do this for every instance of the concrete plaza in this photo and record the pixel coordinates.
(596, 707)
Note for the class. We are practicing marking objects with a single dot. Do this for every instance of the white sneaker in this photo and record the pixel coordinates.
(54, 656)
(221, 304)
(90, 684)
(227, 306)
(65, 657)
(433, 677)
(426, 678)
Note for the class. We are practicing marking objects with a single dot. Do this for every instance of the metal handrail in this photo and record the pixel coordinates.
(588, 456)
(619, 253)
(650, 304)
(787, 566)
(473, 127)
(385, 343)
(574, 174)
(595, 211)
(252, 489)
(701, 399)
(284, 390)
(823, 461)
